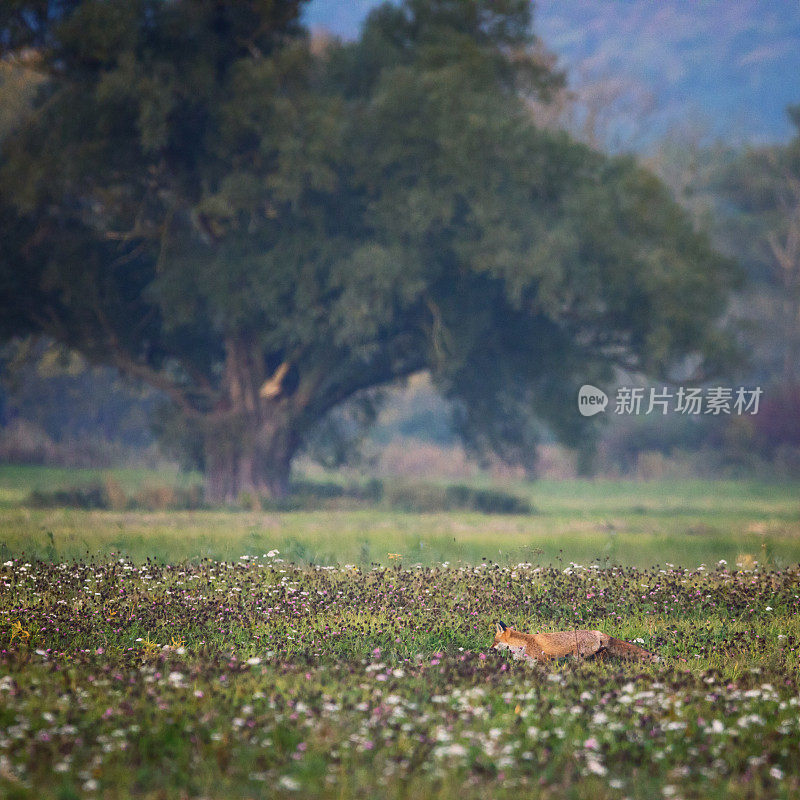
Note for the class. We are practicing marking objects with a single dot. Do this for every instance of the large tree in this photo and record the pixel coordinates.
(759, 188)
(264, 226)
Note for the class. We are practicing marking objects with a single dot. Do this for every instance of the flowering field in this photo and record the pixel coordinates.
(257, 678)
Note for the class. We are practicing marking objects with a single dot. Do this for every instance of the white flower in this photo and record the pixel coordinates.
(254, 661)
(749, 719)
(272, 554)
(776, 772)
(288, 783)
(454, 749)
(595, 767)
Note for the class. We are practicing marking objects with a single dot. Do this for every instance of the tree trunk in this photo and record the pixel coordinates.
(248, 457)
(249, 445)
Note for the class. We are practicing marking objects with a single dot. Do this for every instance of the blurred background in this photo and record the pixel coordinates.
(311, 249)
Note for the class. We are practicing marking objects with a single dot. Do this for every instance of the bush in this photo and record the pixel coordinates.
(110, 496)
(426, 497)
(87, 498)
(418, 497)
(396, 495)
(167, 498)
(487, 501)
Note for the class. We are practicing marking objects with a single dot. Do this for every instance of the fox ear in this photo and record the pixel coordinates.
(501, 626)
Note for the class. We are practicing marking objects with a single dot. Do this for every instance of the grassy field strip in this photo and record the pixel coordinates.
(360, 537)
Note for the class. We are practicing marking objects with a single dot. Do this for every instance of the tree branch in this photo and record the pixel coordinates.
(372, 375)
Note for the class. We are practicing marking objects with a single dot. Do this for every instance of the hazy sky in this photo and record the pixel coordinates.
(732, 65)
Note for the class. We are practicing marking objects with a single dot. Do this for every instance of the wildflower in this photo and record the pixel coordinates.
(18, 630)
(591, 744)
(455, 750)
(595, 766)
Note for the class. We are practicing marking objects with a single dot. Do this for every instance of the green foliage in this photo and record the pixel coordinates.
(201, 199)
(754, 193)
(109, 495)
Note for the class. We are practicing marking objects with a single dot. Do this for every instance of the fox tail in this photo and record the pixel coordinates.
(632, 652)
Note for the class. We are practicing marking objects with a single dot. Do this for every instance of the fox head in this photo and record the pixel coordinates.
(502, 635)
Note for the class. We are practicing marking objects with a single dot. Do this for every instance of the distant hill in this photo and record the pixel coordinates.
(731, 66)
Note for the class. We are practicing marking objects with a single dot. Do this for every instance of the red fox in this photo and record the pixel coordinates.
(588, 644)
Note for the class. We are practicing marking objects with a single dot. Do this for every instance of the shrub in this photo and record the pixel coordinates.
(109, 495)
(87, 498)
(426, 497)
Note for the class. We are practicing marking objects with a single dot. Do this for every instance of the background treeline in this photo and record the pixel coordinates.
(57, 409)
(243, 248)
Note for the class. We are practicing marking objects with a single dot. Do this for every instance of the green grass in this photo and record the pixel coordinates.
(680, 522)
(363, 537)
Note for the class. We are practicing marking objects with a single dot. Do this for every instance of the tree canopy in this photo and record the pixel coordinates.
(264, 225)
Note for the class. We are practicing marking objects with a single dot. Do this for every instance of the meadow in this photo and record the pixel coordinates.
(685, 523)
(223, 654)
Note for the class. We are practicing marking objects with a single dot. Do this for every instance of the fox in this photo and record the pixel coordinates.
(536, 647)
